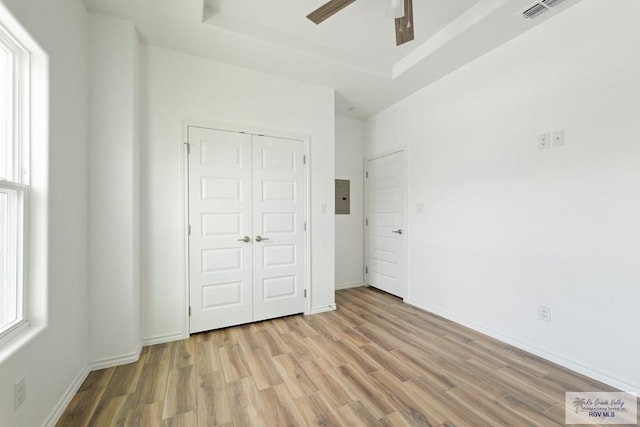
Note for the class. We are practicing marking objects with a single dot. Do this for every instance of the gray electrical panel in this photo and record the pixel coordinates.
(343, 197)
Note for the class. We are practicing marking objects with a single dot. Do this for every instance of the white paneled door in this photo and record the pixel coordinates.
(384, 223)
(247, 237)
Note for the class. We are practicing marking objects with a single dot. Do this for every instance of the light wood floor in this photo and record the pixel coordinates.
(374, 361)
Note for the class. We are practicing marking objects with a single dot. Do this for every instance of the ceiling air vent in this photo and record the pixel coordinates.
(535, 10)
(551, 3)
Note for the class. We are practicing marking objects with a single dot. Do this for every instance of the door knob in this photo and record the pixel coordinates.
(260, 238)
(245, 239)
(397, 231)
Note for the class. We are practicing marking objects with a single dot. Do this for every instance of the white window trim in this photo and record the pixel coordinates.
(19, 134)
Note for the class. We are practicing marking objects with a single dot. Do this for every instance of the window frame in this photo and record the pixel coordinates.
(16, 183)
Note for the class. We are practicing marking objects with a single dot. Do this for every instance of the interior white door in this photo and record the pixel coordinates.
(247, 240)
(278, 225)
(220, 216)
(384, 223)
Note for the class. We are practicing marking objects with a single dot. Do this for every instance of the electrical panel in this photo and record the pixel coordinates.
(343, 205)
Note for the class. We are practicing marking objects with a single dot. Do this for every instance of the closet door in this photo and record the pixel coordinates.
(247, 241)
(220, 216)
(278, 225)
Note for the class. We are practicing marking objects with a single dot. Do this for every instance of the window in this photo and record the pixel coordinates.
(14, 186)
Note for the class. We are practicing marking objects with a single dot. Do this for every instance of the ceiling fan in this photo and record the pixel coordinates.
(401, 10)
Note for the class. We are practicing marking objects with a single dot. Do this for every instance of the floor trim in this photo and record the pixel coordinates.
(109, 362)
(349, 285)
(66, 398)
(162, 339)
(555, 358)
(323, 309)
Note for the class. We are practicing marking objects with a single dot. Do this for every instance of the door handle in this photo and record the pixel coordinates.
(399, 231)
(245, 239)
(260, 238)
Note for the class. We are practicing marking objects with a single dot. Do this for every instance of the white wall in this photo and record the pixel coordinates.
(507, 227)
(52, 354)
(114, 315)
(349, 228)
(178, 87)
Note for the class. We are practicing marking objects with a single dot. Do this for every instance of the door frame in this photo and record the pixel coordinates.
(253, 130)
(405, 222)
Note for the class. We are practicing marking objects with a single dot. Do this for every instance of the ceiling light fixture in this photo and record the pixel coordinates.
(395, 9)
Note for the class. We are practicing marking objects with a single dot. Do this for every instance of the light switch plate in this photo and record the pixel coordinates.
(557, 138)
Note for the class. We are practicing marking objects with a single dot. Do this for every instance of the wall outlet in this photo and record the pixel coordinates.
(544, 313)
(19, 393)
(544, 141)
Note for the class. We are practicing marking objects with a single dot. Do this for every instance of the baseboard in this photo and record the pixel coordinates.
(109, 362)
(161, 339)
(323, 309)
(349, 285)
(106, 362)
(66, 398)
(560, 360)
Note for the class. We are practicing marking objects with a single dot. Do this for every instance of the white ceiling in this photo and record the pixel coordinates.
(360, 36)
(353, 52)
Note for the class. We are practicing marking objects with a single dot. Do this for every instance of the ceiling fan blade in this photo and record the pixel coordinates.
(404, 25)
(328, 9)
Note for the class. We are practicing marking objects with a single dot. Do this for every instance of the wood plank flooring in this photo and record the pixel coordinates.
(373, 362)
